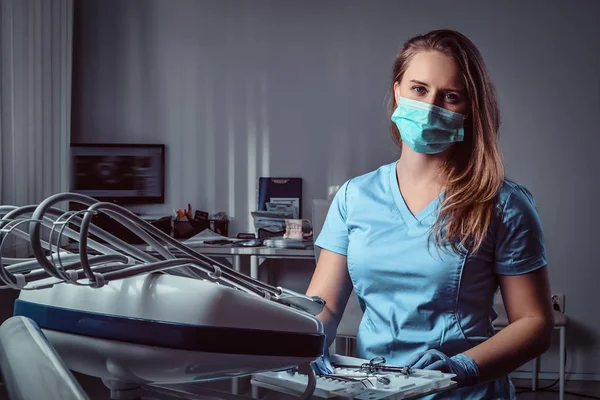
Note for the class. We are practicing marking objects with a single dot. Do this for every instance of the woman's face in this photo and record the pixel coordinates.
(434, 78)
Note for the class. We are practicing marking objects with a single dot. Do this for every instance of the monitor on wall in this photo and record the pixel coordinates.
(119, 173)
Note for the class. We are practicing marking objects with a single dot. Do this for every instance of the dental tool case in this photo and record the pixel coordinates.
(354, 383)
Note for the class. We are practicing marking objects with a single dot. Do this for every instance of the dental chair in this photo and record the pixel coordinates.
(30, 366)
(134, 320)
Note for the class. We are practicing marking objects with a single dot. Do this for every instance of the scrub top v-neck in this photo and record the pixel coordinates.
(414, 295)
(414, 222)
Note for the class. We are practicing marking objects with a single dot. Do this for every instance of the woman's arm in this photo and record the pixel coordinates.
(332, 283)
(527, 299)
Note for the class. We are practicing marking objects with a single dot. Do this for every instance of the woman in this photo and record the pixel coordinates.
(427, 241)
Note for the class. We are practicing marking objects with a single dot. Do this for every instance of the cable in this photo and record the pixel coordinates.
(136, 261)
(545, 388)
(557, 380)
(311, 386)
(39, 245)
(588, 396)
(11, 280)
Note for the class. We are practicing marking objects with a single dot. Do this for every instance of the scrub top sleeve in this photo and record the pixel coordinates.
(520, 244)
(334, 234)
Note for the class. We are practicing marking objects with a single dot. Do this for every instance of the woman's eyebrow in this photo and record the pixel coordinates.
(419, 82)
(459, 90)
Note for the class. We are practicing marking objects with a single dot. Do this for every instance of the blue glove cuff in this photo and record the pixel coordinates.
(323, 365)
(471, 370)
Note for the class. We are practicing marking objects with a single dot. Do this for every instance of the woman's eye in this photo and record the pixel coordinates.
(418, 89)
(452, 98)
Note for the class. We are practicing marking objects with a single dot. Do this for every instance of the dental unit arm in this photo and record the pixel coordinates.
(137, 319)
(124, 260)
(132, 318)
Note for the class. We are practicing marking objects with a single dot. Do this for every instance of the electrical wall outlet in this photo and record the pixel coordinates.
(558, 302)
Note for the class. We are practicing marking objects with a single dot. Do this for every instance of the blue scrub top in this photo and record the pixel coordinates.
(415, 296)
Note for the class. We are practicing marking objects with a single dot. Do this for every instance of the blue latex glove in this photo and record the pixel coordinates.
(467, 372)
(321, 366)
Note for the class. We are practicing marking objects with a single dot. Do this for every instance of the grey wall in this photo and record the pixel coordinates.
(239, 90)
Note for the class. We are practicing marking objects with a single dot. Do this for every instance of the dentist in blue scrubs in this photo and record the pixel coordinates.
(427, 241)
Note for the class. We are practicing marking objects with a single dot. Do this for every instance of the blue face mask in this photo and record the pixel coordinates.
(426, 128)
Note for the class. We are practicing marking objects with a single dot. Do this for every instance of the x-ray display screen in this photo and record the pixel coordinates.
(120, 173)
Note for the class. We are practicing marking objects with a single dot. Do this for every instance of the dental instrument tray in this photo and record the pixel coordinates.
(356, 383)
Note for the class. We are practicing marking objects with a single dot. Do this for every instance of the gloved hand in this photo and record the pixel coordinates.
(321, 366)
(467, 372)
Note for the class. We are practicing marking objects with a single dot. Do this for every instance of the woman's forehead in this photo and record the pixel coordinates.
(434, 69)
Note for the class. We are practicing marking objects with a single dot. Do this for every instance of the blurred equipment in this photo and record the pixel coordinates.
(280, 195)
(278, 199)
(119, 173)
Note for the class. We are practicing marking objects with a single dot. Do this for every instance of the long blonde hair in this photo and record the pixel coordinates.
(473, 170)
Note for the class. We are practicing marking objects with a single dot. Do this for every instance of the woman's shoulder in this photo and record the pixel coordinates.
(371, 179)
(514, 198)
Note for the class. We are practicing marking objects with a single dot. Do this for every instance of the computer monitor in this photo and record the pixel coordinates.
(119, 173)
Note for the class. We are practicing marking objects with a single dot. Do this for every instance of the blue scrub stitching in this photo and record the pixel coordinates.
(502, 218)
(346, 197)
(455, 313)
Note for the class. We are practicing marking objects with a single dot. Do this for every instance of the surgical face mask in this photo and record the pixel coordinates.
(426, 128)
